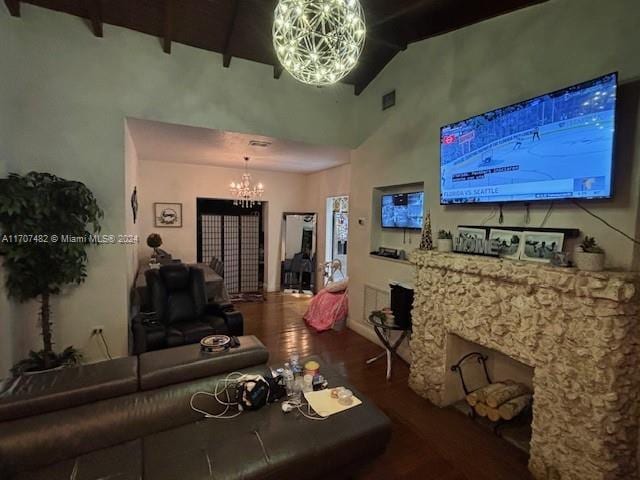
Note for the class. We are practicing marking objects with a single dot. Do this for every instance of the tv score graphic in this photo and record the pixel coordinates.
(449, 139)
(453, 138)
(558, 145)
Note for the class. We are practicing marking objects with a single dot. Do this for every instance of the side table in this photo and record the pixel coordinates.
(383, 331)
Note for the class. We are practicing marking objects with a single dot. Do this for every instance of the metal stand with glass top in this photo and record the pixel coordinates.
(383, 331)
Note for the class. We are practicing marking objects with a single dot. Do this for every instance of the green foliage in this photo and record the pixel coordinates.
(154, 240)
(43, 204)
(42, 360)
(46, 223)
(589, 245)
(444, 235)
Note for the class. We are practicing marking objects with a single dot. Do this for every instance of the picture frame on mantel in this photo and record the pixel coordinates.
(509, 241)
(167, 215)
(541, 246)
(474, 233)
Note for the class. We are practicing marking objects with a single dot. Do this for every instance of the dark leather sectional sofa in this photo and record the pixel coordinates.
(129, 419)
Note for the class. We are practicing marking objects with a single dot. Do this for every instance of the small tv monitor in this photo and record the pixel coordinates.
(556, 146)
(403, 210)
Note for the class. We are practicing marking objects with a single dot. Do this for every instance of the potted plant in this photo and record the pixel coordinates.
(47, 224)
(589, 256)
(154, 241)
(445, 241)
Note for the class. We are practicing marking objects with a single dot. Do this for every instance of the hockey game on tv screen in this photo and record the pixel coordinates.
(555, 146)
(403, 210)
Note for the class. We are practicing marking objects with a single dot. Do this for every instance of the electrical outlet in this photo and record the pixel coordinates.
(97, 330)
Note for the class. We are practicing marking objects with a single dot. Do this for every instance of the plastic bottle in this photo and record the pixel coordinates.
(295, 363)
(288, 379)
(307, 383)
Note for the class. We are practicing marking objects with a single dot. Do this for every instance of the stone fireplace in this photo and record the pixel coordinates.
(578, 330)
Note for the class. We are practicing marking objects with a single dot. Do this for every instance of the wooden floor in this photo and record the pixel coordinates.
(428, 443)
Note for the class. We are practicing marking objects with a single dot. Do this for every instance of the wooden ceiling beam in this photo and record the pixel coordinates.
(168, 26)
(94, 9)
(372, 72)
(13, 6)
(441, 21)
(226, 55)
(417, 5)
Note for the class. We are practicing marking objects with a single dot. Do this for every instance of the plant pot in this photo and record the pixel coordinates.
(445, 244)
(590, 262)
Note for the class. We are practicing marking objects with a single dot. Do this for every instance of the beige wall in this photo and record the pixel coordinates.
(6, 330)
(184, 183)
(64, 95)
(6, 336)
(131, 163)
(333, 182)
(476, 69)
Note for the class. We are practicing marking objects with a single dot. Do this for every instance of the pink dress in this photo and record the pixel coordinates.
(325, 309)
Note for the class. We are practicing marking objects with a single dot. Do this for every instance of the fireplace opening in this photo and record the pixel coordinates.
(491, 388)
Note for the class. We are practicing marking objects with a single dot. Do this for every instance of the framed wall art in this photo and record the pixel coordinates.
(472, 233)
(167, 214)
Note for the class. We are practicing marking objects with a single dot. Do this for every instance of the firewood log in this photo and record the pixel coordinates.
(472, 398)
(493, 414)
(513, 407)
(480, 394)
(497, 397)
(481, 409)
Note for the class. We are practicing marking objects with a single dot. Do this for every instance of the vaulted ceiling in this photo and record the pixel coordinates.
(242, 28)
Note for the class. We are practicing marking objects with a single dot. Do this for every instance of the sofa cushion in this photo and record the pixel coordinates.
(180, 307)
(37, 441)
(175, 277)
(188, 332)
(68, 387)
(186, 363)
(122, 462)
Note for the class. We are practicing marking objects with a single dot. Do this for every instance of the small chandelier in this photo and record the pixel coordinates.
(318, 41)
(244, 193)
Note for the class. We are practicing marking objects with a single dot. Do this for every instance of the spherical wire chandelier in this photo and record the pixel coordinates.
(318, 41)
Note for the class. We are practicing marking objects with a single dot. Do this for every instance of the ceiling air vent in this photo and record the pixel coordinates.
(388, 100)
(259, 143)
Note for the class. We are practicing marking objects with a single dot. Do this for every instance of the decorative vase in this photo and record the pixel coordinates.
(590, 262)
(445, 244)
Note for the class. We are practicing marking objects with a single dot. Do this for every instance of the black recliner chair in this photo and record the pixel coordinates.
(181, 314)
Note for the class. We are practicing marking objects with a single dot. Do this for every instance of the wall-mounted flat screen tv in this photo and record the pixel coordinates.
(556, 146)
(402, 210)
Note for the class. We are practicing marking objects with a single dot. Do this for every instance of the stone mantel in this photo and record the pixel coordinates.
(618, 286)
(580, 332)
